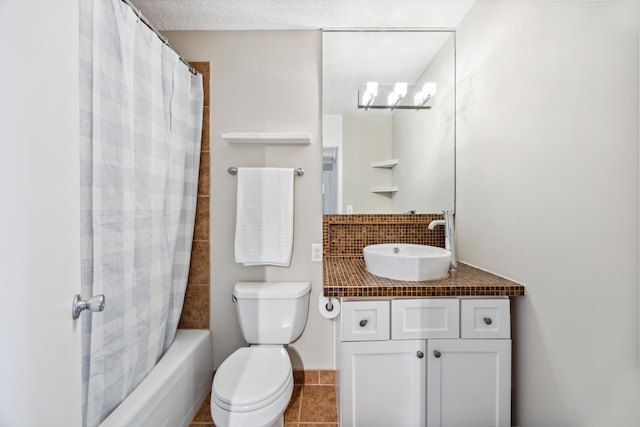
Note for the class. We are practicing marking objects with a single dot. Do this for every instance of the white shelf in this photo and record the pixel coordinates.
(282, 138)
(387, 164)
(384, 189)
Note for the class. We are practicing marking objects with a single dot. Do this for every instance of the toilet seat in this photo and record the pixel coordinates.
(252, 378)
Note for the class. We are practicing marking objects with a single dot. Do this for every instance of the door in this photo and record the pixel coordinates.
(329, 180)
(469, 383)
(383, 383)
(40, 354)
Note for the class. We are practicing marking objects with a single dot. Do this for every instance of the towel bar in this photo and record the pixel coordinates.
(234, 171)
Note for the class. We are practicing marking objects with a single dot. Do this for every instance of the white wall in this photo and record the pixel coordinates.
(40, 364)
(263, 81)
(547, 194)
(366, 138)
(424, 143)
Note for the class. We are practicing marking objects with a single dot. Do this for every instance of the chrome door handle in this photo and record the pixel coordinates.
(94, 304)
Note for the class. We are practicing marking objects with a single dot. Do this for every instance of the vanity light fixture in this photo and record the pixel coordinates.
(369, 94)
(401, 96)
(428, 91)
(399, 92)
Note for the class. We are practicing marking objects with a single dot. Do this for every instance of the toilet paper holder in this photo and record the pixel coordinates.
(329, 306)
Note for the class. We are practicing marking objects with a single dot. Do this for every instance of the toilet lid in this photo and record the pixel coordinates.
(252, 377)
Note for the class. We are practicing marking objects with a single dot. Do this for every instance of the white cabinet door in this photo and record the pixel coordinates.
(469, 383)
(383, 383)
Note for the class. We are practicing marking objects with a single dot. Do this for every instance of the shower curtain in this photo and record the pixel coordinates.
(140, 119)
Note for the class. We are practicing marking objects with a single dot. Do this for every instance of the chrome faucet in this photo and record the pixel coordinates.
(449, 237)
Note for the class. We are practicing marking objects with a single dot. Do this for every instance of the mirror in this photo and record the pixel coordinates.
(388, 160)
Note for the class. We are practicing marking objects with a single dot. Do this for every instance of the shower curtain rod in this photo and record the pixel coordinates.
(160, 36)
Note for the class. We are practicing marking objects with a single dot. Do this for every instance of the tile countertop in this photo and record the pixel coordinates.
(348, 277)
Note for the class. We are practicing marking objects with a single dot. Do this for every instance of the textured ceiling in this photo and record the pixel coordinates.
(349, 59)
(300, 14)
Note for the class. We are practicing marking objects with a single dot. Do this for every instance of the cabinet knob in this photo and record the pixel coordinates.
(436, 354)
(363, 322)
(487, 320)
(420, 354)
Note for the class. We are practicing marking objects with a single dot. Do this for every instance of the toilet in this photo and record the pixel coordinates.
(253, 386)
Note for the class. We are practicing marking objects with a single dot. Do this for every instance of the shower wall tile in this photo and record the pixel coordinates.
(204, 178)
(199, 270)
(206, 129)
(195, 310)
(201, 231)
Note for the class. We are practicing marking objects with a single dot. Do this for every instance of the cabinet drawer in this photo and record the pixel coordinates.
(425, 318)
(365, 320)
(485, 318)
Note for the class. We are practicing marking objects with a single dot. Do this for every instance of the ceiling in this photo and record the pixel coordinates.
(301, 14)
(349, 59)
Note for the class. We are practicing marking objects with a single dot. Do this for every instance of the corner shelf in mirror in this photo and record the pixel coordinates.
(386, 164)
(384, 189)
(280, 138)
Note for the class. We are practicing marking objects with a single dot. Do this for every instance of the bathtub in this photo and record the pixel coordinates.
(171, 394)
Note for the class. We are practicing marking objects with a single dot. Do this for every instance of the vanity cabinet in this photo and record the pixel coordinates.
(383, 383)
(425, 362)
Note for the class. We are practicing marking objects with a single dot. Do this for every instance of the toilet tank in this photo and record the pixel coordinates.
(272, 312)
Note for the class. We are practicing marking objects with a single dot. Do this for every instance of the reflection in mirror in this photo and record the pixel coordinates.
(388, 160)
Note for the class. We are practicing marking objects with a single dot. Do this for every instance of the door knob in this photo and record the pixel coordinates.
(94, 304)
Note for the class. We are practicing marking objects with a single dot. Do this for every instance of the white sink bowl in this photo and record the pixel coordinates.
(401, 261)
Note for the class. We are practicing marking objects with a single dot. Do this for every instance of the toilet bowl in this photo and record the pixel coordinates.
(253, 386)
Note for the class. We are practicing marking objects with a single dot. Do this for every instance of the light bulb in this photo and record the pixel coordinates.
(400, 89)
(370, 93)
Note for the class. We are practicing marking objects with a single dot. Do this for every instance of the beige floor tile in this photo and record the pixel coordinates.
(318, 404)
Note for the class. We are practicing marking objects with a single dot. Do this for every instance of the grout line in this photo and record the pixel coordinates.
(300, 408)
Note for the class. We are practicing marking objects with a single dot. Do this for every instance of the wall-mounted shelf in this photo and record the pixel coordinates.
(384, 189)
(280, 138)
(386, 164)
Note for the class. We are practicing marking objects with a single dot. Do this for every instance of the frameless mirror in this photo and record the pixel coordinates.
(382, 154)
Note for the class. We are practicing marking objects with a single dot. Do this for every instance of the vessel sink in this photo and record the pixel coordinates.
(409, 262)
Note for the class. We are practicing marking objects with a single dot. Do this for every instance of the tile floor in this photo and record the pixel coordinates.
(313, 403)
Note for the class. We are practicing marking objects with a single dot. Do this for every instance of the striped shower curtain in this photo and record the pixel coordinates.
(141, 117)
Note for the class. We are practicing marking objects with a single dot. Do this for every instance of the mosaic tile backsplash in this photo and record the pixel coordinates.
(347, 235)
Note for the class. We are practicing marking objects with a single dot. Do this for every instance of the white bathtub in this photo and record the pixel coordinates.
(172, 392)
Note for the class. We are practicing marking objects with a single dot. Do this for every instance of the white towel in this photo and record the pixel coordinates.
(264, 216)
